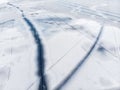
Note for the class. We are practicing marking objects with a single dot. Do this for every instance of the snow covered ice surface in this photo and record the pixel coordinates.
(72, 44)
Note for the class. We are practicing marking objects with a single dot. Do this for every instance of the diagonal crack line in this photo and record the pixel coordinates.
(6, 21)
(40, 52)
(64, 82)
(63, 55)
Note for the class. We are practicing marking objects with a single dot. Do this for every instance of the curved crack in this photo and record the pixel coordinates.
(64, 82)
(40, 52)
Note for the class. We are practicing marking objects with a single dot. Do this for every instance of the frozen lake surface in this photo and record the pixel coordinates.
(59, 45)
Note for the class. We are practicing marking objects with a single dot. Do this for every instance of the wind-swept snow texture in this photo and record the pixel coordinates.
(59, 45)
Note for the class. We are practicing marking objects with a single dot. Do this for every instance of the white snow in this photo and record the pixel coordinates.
(3, 1)
(65, 45)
